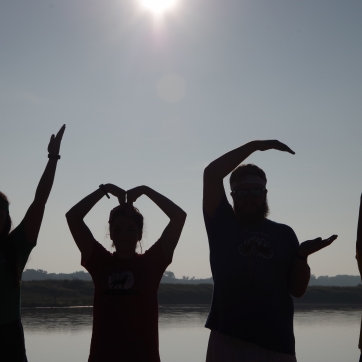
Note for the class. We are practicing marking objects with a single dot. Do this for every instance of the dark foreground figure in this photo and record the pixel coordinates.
(257, 264)
(15, 248)
(125, 314)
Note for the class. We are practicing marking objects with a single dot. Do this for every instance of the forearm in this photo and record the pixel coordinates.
(46, 183)
(299, 278)
(81, 209)
(167, 206)
(223, 165)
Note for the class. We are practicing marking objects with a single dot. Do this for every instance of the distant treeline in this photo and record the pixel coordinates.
(63, 293)
(169, 278)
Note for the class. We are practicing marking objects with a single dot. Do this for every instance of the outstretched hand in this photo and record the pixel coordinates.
(311, 246)
(55, 141)
(117, 192)
(274, 145)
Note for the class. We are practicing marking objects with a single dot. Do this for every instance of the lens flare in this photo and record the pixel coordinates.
(158, 6)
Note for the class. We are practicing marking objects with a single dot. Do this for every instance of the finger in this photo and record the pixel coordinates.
(129, 199)
(286, 148)
(51, 139)
(331, 239)
(61, 132)
(290, 151)
(121, 201)
(313, 240)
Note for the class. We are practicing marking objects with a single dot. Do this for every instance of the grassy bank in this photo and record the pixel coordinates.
(63, 293)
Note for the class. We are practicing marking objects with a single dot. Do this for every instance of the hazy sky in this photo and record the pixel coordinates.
(152, 100)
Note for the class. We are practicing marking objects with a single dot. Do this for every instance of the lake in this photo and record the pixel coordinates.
(323, 334)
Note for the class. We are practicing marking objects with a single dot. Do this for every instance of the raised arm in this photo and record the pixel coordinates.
(80, 231)
(300, 274)
(215, 172)
(172, 232)
(34, 216)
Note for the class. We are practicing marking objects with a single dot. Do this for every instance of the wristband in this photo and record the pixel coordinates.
(103, 188)
(53, 157)
(297, 255)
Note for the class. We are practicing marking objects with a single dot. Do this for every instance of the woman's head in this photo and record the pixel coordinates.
(5, 220)
(125, 229)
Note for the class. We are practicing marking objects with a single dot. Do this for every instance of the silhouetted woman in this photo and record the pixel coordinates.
(125, 314)
(15, 248)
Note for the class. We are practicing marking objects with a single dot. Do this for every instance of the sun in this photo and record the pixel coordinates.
(158, 6)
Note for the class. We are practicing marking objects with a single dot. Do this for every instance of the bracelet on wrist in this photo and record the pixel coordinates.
(103, 188)
(53, 157)
(297, 255)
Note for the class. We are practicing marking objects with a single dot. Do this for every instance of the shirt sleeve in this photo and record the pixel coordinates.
(23, 246)
(293, 249)
(157, 261)
(98, 260)
(294, 241)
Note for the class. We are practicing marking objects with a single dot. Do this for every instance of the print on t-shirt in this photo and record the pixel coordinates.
(123, 280)
(256, 244)
(121, 284)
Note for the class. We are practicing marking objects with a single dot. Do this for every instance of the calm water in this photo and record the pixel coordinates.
(58, 335)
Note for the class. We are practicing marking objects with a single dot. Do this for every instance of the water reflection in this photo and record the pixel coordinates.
(178, 316)
(181, 316)
(323, 333)
(57, 319)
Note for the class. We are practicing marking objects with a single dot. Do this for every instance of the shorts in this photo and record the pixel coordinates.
(222, 348)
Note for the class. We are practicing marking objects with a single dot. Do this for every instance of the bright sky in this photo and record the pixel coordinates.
(151, 97)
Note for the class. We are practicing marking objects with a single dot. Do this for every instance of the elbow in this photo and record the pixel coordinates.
(297, 294)
(70, 215)
(208, 171)
(182, 217)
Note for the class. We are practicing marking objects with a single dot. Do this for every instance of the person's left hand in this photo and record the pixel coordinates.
(311, 246)
(54, 143)
(134, 194)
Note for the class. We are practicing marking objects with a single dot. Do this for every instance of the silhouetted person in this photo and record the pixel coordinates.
(256, 264)
(359, 260)
(15, 248)
(125, 315)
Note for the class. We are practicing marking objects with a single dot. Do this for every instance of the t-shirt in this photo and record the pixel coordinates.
(125, 313)
(10, 295)
(250, 267)
(359, 263)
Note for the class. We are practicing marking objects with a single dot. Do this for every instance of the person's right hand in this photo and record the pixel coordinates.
(117, 192)
(274, 145)
(55, 141)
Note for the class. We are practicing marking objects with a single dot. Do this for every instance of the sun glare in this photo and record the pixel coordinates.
(158, 6)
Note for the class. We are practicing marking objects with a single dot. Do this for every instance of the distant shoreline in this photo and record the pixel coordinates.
(78, 293)
(297, 306)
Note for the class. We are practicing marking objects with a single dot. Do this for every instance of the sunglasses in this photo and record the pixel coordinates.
(242, 194)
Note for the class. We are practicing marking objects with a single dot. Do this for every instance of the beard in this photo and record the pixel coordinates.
(258, 216)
